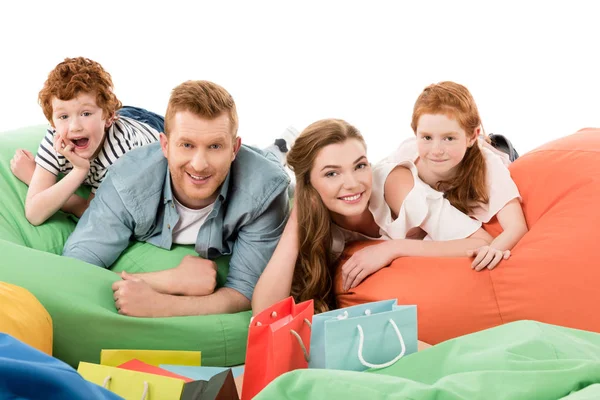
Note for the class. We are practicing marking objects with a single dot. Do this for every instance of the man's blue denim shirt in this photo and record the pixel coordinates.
(135, 201)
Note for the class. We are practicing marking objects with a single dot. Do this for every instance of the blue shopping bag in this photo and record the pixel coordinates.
(27, 373)
(371, 335)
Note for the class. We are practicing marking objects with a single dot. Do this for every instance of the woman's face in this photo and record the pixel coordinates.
(341, 174)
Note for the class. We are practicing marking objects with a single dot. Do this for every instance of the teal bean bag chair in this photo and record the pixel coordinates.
(518, 361)
(78, 295)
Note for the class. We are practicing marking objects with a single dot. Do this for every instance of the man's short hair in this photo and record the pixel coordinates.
(204, 99)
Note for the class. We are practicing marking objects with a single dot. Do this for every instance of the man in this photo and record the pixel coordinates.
(198, 185)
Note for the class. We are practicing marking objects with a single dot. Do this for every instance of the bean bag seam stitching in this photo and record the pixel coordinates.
(496, 299)
(532, 152)
(561, 150)
(540, 329)
(224, 341)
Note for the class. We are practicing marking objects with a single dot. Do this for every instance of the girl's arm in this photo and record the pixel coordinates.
(46, 196)
(397, 186)
(513, 224)
(505, 193)
(370, 259)
(514, 227)
(430, 248)
(275, 283)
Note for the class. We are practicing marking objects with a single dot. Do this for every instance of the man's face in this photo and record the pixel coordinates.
(199, 152)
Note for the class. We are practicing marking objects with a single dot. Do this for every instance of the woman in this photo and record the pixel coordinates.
(331, 207)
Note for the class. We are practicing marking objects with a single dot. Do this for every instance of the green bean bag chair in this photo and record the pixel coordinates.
(517, 361)
(78, 295)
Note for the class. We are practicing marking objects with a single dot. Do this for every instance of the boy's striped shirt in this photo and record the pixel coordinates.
(123, 135)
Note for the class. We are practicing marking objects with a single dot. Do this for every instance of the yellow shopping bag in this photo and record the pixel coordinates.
(132, 384)
(116, 357)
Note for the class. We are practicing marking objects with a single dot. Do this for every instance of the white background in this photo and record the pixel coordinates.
(532, 66)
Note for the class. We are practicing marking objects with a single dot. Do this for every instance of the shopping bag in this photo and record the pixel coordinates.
(137, 365)
(200, 373)
(278, 339)
(371, 335)
(220, 387)
(28, 373)
(114, 357)
(132, 384)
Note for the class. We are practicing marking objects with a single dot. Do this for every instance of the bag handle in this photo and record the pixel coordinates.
(144, 393)
(387, 364)
(343, 315)
(293, 332)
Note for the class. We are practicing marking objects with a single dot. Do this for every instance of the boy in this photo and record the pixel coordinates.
(89, 131)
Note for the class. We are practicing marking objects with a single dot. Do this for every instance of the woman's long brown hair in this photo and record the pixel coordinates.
(468, 187)
(313, 275)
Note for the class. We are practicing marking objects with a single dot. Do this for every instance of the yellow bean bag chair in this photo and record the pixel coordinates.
(23, 317)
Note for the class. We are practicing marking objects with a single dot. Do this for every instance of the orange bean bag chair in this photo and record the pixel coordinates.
(23, 317)
(552, 276)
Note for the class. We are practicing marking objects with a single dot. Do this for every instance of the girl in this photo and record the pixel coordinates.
(446, 163)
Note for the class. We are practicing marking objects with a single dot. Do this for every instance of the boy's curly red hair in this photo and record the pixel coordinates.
(79, 75)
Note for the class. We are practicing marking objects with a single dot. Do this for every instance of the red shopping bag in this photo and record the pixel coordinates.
(137, 365)
(278, 339)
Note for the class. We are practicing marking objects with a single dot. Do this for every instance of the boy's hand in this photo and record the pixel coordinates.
(22, 165)
(66, 148)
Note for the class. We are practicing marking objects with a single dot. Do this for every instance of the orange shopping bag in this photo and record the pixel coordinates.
(278, 339)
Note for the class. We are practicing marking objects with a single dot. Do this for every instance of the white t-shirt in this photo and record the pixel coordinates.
(189, 224)
(426, 208)
(123, 135)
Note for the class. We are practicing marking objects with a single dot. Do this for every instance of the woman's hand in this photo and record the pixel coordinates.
(365, 262)
(487, 257)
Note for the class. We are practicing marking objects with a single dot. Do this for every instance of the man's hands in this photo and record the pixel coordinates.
(487, 257)
(136, 298)
(194, 276)
(149, 294)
